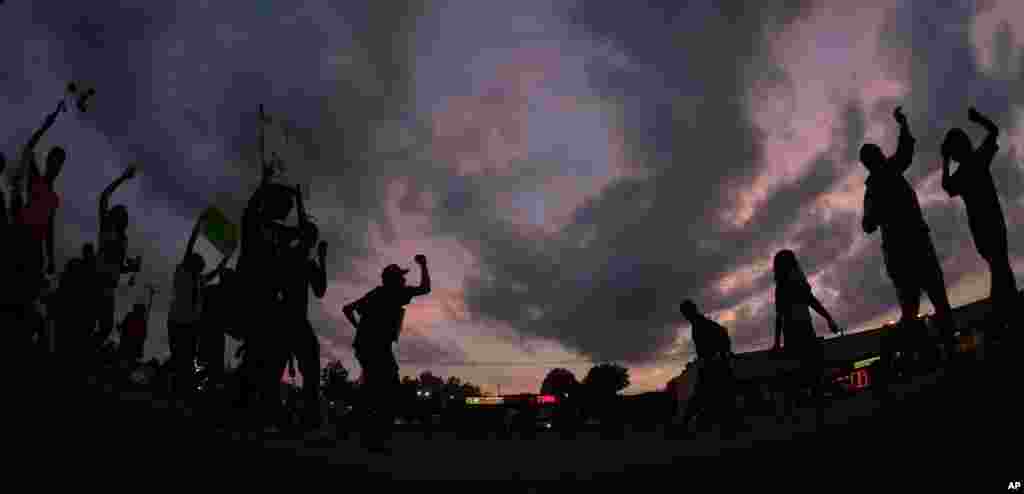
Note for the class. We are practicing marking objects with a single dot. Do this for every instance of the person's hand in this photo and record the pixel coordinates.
(420, 259)
(899, 116)
(321, 249)
(973, 115)
(130, 172)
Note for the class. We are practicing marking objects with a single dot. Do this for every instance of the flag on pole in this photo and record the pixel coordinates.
(220, 231)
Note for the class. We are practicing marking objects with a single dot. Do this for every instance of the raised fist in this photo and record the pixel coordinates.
(130, 172)
(899, 116)
(973, 115)
(420, 259)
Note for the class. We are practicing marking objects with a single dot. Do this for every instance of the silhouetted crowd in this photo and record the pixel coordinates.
(890, 204)
(264, 300)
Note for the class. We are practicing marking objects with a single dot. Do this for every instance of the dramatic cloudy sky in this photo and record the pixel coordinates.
(571, 172)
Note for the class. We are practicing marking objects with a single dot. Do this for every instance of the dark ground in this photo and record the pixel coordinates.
(957, 429)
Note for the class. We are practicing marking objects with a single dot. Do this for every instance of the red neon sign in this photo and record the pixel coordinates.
(547, 399)
(860, 379)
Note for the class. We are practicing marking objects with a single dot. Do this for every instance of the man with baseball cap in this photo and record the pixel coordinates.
(380, 321)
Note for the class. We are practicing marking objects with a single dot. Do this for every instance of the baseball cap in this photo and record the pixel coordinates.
(394, 270)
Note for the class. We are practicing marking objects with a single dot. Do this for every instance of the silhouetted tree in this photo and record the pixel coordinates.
(606, 379)
(602, 384)
(560, 382)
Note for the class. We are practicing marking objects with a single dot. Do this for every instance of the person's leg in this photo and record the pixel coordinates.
(184, 358)
(693, 401)
(308, 356)
(105, 316)
(934, 284)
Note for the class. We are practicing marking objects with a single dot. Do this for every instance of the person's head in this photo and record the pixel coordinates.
(872, 157)
(688, 309)
(55, 162)
(957, 145)
(277, 202)
(118, 217)
(88, 251)
(784, 264)
(393, 275)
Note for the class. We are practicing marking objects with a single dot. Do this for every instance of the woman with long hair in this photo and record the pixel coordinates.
(793, 301)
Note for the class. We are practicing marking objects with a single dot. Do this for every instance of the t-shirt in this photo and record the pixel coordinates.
(381, 313)
(792, 301)
(299, 275)
(892, 202)
(710, 338)
(186, 306)
(42, 201)
(111, 255)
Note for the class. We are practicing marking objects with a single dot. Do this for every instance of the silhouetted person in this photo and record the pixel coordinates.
(973, 182)
(42, 202)
(713, 393)
(793, 301)
(380, 314)
(219, 318)
(891, 203)
(24, 282)
(259, 264)
(111, 261)
(300, 274)
(183, 322)
(133, 334)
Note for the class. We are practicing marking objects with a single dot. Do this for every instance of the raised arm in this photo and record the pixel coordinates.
(986, 153)
(424, 287)
(984, 121)
(194, 236)
(905, 149)
(950, 183)
(107, 192)
(30, 147)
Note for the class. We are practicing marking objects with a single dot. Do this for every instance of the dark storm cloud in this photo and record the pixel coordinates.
(616, 298)
(946, 78)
